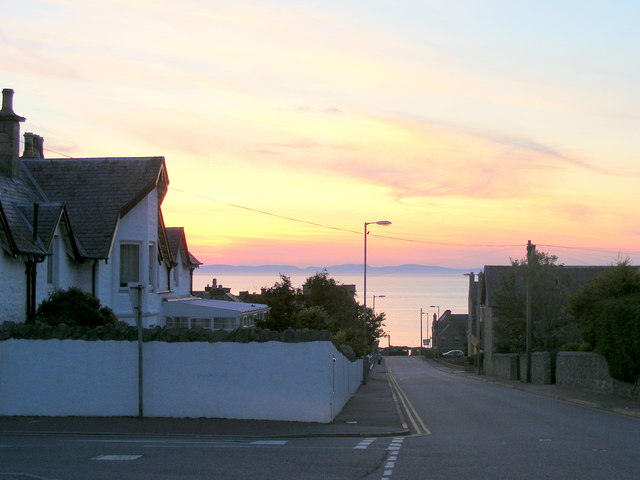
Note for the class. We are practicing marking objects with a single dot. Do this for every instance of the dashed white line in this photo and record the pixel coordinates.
(366, 443)
(394, 449)
(117, 458)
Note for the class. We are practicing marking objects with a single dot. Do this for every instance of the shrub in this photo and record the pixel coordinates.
(74, 307)
(577, 347)
(608, 311)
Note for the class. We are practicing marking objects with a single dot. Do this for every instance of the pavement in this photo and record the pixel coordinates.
(373, 411)
(628, 407)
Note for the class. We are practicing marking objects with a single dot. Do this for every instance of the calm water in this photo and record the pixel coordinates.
(404, 296)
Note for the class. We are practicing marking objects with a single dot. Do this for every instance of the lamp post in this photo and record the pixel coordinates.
(384, 223)
(421, 337)
(374, 302)
(136, 298)
(436, 328)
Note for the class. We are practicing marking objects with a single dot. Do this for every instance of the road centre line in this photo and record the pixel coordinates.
(232, 443)
(117, 458)
(178, 443)
(174, 441)
(392, 457)
(417, 423)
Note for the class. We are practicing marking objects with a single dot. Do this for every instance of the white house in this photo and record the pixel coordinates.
(92, 223)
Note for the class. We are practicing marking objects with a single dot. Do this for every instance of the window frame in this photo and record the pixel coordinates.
(125, 280)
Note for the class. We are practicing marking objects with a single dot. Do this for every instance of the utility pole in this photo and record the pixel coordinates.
(531, 260)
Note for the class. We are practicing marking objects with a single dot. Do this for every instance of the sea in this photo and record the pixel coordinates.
(400, 296)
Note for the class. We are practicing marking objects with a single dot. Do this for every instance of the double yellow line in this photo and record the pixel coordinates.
(404, 405)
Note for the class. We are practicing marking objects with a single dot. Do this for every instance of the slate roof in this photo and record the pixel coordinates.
(177, 240)
(15, 195)
(575, 277)
(48, 214)
(96, 192)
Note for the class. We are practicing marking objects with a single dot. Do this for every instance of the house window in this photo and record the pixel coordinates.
(152, 266)
(52, 262)
(201, 323)
(224, 323)
(176, 276)
(177, 322)
(129, 263)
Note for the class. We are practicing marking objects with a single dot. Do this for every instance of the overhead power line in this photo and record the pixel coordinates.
(389, 237)
(320, 225)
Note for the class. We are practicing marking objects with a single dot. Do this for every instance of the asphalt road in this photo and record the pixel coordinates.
(481, 431)
(462, 429)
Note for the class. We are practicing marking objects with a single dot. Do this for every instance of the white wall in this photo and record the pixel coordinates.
(267, 381)
(13, 285)
(67, 378)
(183, 276)
(140, 225)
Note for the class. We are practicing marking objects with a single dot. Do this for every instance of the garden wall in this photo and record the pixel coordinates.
(541, 373)
(505, 366)
(309, 381)
(590, 372)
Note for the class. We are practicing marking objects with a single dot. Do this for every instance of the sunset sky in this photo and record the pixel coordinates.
(473, 126)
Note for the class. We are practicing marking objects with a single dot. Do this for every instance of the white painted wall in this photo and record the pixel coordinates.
(181, 276)
(68, 378)
(266, 381)
(13, 285)
(140, 225)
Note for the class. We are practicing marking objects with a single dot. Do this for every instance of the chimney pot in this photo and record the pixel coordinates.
(28, 151)
(38, 146)
(7, 101)
(9, 136)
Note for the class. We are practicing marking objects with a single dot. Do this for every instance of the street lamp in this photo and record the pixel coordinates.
(384, 223)
(421, 338)
(436, 328)
(374, 302)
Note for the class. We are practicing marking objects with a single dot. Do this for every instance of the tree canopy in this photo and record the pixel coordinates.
(608, 313)
(552, 324)
(322, 304)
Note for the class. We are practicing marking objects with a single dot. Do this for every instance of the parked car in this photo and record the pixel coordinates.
(453, 354)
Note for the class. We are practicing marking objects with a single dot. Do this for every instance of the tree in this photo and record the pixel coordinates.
(285, 302)
(374, 324)
(74, 307)
(314, 318)
(608, 313)
(322, 304)
(551, 321)
(336, 299)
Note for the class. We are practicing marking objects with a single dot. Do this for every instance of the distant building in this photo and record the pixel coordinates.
(483, 315)
(217, 292)
(449, 332)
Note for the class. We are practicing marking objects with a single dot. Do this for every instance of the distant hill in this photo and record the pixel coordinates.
(346, 269)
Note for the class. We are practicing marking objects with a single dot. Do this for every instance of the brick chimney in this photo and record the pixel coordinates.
(9, 136)
(33, 146)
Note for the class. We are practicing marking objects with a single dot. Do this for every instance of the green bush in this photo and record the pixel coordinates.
(74, 307)
(577, 347)
(608, 312)
(428, 352)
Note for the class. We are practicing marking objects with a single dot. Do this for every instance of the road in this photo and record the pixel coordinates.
(483, 431)
(462, 429)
